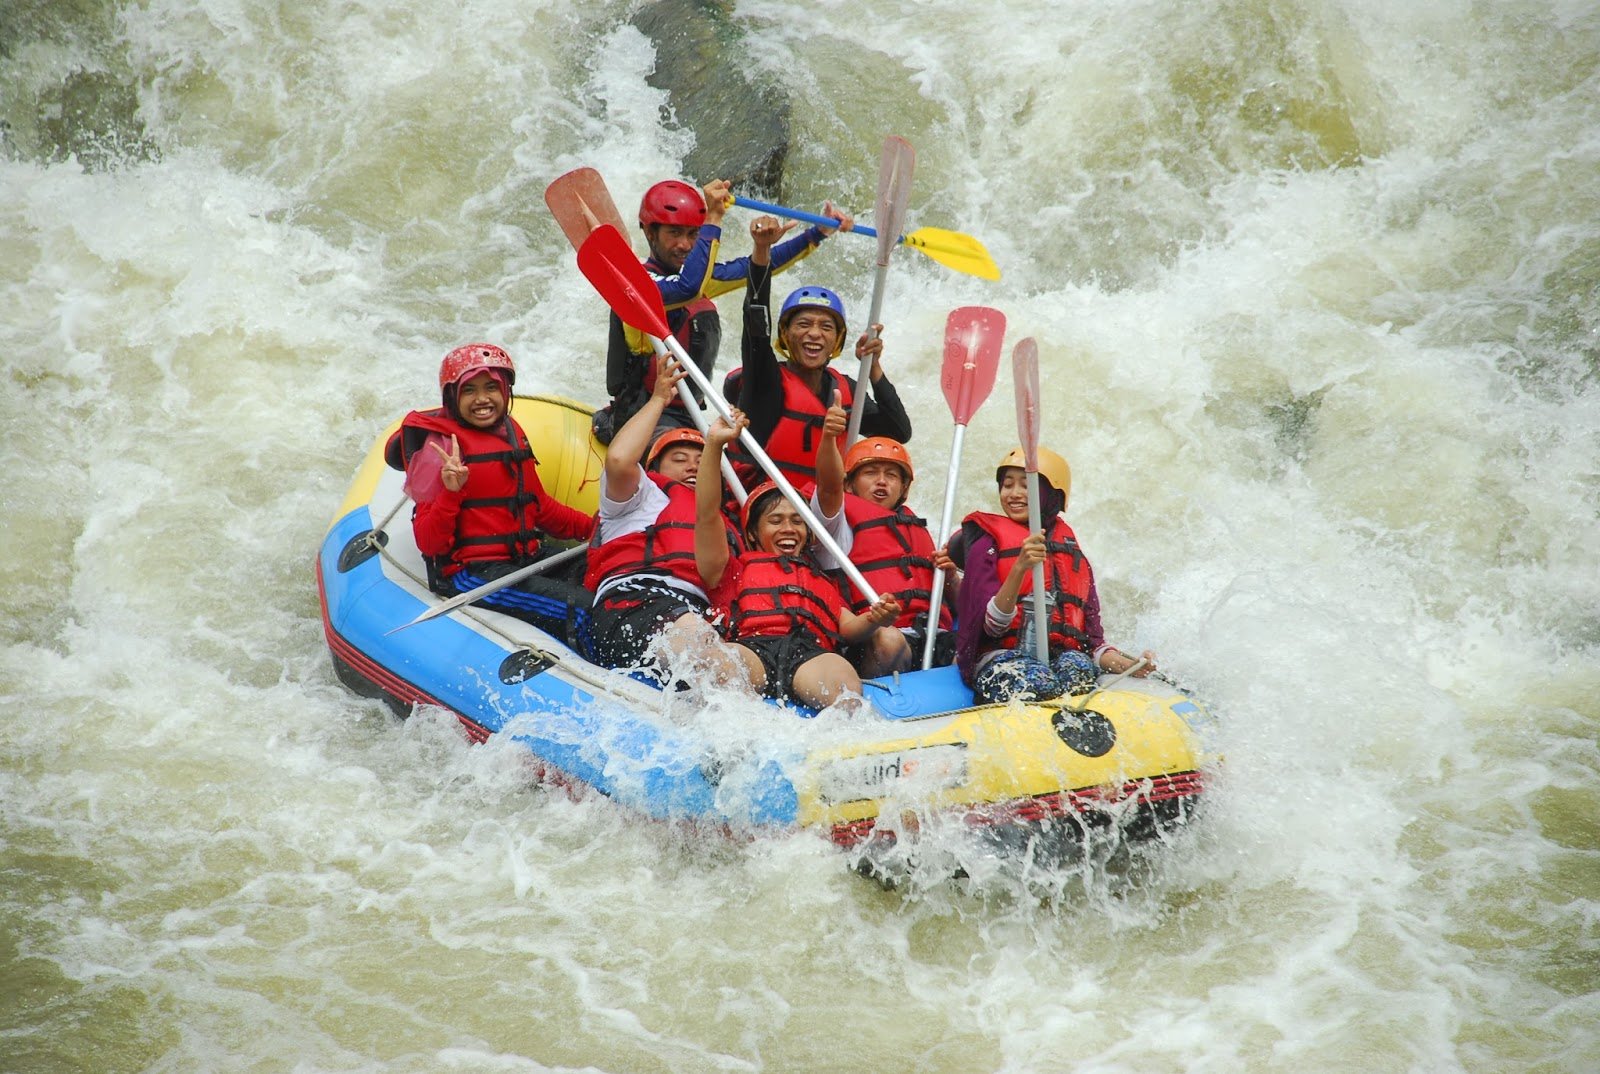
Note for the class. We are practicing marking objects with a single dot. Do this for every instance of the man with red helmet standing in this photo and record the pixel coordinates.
(683, 227)
(481, 510)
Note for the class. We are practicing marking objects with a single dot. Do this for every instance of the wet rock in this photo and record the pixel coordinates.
(740, 122)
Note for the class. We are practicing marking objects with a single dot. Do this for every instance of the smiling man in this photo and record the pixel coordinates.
(896, 554)
(787, 402)
(642, 559)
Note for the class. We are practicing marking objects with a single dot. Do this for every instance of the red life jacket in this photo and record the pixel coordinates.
(795, 438)
(497, 522)
(894, 552)
(776, 594)
(684, 317)
(665, 547)
(1066, 576)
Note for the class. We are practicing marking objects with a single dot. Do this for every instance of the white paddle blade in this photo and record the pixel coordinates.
(894, 193)
(1025, 375)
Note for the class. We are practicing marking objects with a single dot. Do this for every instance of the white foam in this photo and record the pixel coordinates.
(1313, 293)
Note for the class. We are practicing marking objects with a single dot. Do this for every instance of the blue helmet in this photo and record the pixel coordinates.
(811, 295)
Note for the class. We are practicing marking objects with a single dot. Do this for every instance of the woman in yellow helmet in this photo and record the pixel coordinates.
(998, 553)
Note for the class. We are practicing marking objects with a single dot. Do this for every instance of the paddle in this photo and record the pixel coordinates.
(894, 188)
(581, 202)
(627, 288)
(728, 473)
(972, 336)
(949, 248)
(501, 582)
(1025, 374)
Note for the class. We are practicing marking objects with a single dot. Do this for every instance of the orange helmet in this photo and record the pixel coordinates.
(753, 500)
(668, 439)
(878, 447)
(1052, 467)
(470, 359)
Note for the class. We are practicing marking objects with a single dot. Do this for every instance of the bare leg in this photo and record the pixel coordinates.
(887, 651)
(819, 681)
(690, 645)
(755, 674)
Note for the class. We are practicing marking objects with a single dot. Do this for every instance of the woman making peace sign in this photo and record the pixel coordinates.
(481, 509)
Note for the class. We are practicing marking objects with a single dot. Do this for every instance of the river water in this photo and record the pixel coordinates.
(1316, 288)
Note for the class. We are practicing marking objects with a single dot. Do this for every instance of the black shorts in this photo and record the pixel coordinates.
(944, 648)
(628, 617)
(781, 655)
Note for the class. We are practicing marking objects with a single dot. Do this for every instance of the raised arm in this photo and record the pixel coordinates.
(830, 464)
(628, 447)
(710, 540)
(883, 413)
(734, 273)
(792, 250)
(760, 383)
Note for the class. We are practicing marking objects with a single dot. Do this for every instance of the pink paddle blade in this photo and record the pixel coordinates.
(580, 203)
(972, 338)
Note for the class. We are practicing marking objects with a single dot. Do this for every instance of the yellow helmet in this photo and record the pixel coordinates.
(1052, 467)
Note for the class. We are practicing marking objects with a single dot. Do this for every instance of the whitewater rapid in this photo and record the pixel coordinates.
(1316, 289)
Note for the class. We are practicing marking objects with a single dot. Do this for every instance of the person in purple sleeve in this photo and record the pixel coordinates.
(995, 650)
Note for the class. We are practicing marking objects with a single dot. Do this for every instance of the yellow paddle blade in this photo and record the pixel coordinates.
(954, 250)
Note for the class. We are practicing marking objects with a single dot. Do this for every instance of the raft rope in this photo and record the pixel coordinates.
(1100, 686)
(577, 669)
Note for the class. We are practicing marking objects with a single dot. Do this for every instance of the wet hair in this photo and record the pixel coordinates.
(762, 505)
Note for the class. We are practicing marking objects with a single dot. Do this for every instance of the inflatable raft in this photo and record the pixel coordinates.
(1019, 779)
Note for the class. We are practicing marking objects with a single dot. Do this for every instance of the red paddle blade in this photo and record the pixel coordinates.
(972, 338)
(580, 203)
(1025, 374)
(894, 194)
(610, 264)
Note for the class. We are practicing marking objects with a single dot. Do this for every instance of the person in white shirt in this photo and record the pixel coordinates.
(641, 564)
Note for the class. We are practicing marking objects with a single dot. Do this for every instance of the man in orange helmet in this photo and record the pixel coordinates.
(642, 559)
(895, 553)
(683, 227)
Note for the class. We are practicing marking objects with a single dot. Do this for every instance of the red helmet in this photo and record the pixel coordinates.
(878, 447)
(672, 201)
(668, 439)
(473, 357)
